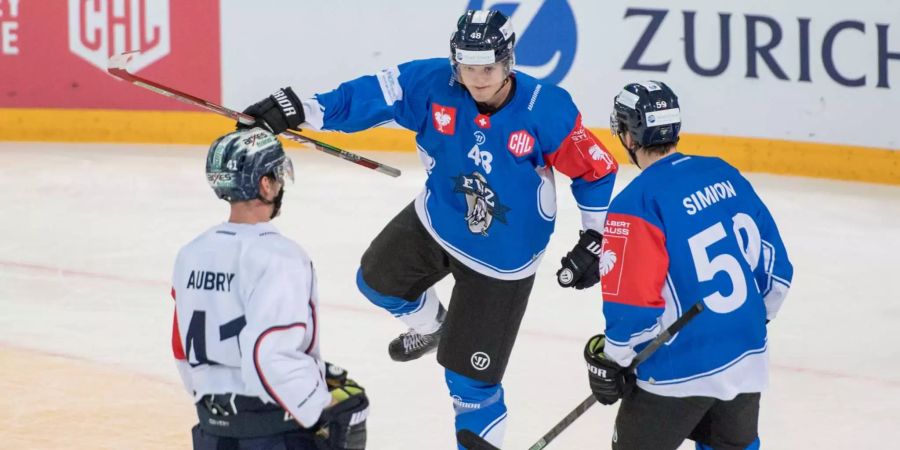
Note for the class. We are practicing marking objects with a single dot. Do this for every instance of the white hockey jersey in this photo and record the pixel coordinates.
(245, 319)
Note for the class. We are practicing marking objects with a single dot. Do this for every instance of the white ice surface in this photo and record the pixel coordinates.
(89, 233)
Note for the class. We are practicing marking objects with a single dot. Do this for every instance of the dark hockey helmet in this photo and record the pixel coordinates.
(648, 111)
(236, 162)
(483, 37)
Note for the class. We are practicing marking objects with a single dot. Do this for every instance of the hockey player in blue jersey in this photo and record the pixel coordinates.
(490, 139)
(687, 229)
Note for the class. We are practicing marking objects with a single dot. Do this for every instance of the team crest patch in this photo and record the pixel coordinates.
(443, 118)
(520, 143)
(482, 203)
(588, 145)
(612, 257)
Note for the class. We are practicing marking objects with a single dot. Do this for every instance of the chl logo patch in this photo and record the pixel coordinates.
(480, 360)
(443, 118)
(520, 143)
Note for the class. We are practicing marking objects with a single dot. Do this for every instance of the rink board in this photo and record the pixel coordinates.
(834, 161)
(780, 87)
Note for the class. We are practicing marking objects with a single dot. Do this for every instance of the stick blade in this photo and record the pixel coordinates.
(119, 63)
(472, 441)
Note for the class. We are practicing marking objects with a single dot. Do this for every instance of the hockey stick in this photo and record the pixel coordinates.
(472, 441)
(118, 68)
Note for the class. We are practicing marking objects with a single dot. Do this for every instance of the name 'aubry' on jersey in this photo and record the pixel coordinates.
(210, 281)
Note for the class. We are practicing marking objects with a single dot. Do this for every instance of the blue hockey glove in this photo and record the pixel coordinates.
(609, 381)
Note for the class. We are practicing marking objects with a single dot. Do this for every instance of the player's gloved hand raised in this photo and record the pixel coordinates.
(609, 381)
(343, 423)
(277, 112)
(581, 266)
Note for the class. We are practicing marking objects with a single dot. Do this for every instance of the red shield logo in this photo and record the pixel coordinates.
(520, 143)
(612, 258)
(99, 29)
(443, 118)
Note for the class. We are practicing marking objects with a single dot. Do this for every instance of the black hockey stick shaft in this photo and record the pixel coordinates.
(118, 68)
(666, 334)
(642, 356)
(473, 442)
(564, 423)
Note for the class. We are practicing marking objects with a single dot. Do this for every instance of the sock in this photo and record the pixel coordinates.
(479, 407)
(420, 314)
(753, 446)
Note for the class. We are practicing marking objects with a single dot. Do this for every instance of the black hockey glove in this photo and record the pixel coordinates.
(609, 381)
(277, 112)
(343, 423)
(581, 267)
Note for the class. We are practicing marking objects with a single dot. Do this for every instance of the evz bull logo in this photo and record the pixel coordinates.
(482, 203)
(99, 29)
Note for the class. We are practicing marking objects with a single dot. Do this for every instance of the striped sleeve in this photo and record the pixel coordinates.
(277, 344)
(184, 369)
(633, 266)
(774, 271)
(372, 100)
(584, 159)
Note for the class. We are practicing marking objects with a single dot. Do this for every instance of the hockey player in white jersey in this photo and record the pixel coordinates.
(245, 334)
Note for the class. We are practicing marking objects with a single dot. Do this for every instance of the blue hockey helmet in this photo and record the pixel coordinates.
(648, 111)
(238, 160)
(483, 37)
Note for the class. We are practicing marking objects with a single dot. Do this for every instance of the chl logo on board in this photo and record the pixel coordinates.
(99, 29)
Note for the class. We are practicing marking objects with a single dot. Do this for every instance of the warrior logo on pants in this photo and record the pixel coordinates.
(483, 204)
(480, 360)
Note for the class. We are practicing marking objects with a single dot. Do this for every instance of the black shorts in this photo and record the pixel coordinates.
(653, 422)
(284, 441)
(483, 314)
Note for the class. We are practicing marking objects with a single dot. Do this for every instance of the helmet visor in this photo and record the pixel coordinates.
(285, 171)
(614, 123)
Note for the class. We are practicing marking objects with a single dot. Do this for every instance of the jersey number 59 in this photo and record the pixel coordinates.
(707, 267)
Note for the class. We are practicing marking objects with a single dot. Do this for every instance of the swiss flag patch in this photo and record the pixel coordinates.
(520, 143)
(443, 118)
(483, 121)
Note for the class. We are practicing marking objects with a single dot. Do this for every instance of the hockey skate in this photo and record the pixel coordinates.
(413, 345)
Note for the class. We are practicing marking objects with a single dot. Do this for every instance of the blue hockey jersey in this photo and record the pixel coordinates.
(490, 198)
(692, 229)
